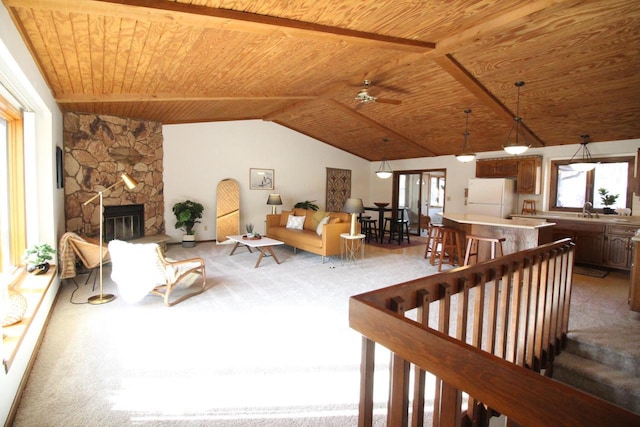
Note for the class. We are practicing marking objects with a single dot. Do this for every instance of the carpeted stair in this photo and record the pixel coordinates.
(604, 362)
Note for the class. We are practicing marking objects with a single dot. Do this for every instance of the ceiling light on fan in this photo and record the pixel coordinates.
(517, 147)
(467, 154)
(364, 97)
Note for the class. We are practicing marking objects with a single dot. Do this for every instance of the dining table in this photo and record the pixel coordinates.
(381, 211)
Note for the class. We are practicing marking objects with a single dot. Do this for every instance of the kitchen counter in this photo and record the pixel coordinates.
(604, 219)
(519, 233)
(515, 222)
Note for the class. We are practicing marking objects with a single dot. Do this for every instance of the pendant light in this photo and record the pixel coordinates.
(519, 145)
(467, 154)
(384, 171)
(584, 162)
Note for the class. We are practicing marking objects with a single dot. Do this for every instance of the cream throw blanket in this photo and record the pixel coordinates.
(67, 258)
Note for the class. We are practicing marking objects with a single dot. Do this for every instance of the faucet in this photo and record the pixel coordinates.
(586, 210)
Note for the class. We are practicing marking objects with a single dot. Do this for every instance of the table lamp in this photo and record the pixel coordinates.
(353, 206)
(274, 200)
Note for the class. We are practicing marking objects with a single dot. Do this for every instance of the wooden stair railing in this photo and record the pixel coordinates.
(488, 330)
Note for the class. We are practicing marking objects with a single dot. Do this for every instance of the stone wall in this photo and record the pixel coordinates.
(97, 149)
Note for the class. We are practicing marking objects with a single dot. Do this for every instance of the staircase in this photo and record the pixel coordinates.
(604, 362)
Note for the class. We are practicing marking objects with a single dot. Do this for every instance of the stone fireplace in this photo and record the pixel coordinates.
(123, 222)
(97, 149)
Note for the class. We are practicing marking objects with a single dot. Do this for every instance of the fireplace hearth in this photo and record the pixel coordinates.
(123, 222)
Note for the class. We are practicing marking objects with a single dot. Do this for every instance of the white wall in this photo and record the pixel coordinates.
(45, 204)
(198, 156)
(458, 174)
(203, 154)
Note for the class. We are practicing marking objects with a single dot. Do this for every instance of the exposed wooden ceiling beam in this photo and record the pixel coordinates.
(139, 97)
(224, 19)
(475, 33)
(382, 128)
(464, 77)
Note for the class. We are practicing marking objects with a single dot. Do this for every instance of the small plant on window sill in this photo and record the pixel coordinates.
(607, 200)
(37, 258)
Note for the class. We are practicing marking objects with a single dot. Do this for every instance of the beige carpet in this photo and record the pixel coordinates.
(261, 347)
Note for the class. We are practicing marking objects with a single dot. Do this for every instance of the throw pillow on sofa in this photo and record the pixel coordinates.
(284, 217)
(322, 222)
(295, 222)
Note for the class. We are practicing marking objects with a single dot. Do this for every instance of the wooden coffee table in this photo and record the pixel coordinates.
(263, 244)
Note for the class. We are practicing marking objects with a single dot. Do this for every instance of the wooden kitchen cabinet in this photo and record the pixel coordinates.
(589, 247)
(526, 170)
(529, 179)
(588, 238)
(599, 244)
(497, 168)
(618, 247)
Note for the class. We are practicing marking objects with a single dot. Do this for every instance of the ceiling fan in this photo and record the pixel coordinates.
(364, 97)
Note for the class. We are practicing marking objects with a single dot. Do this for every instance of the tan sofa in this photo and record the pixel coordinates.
(307, 239)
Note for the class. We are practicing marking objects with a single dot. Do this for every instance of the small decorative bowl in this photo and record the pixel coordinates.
(381, 205)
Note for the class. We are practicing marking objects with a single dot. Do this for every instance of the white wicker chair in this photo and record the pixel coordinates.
(141, 268)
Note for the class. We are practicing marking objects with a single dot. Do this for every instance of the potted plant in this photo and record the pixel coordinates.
(188, 214)
(607, 200)
(37, 258)
(307, 204)
(250, 233)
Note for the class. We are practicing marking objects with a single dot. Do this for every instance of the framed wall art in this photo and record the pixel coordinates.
(261, 179)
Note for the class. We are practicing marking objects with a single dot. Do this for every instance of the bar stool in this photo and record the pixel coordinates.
(528, 207)
(398, 226)
(447, 247)
(431, 236)
(472, 247)
(369, 228)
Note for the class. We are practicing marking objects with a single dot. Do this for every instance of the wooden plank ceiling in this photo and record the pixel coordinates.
(300, 63)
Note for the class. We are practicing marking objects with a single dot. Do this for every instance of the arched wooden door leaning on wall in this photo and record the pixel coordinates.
(227, 209)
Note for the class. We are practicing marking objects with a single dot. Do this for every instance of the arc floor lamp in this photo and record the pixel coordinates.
(130, 183)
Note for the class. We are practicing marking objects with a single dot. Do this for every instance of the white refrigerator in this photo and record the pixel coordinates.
(492, 197)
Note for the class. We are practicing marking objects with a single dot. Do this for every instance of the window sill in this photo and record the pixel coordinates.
(33, 288)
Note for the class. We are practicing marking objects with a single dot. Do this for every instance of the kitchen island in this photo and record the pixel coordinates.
(519, 233)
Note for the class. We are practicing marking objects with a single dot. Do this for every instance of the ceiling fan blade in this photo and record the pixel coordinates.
(389, 101)
(392, 88)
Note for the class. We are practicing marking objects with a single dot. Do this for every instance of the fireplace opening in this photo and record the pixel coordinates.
(123, 222)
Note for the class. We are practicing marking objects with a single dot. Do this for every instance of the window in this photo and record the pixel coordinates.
(12, 194)
(570, 189)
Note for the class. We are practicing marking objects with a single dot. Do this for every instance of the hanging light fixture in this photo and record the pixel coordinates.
(384, 171)
(467, 154)
(584, 162)
(517, 147)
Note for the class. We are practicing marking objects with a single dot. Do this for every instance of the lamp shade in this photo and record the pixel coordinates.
(465, 158)
(582, 167)
(274, 199)
(466, 155)
(384, 171)
(582, 162)
(129, 181)
(515, 149)
(519, 144)
(353, 206)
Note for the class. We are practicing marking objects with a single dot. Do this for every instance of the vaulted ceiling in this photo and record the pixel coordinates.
(300, 63)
